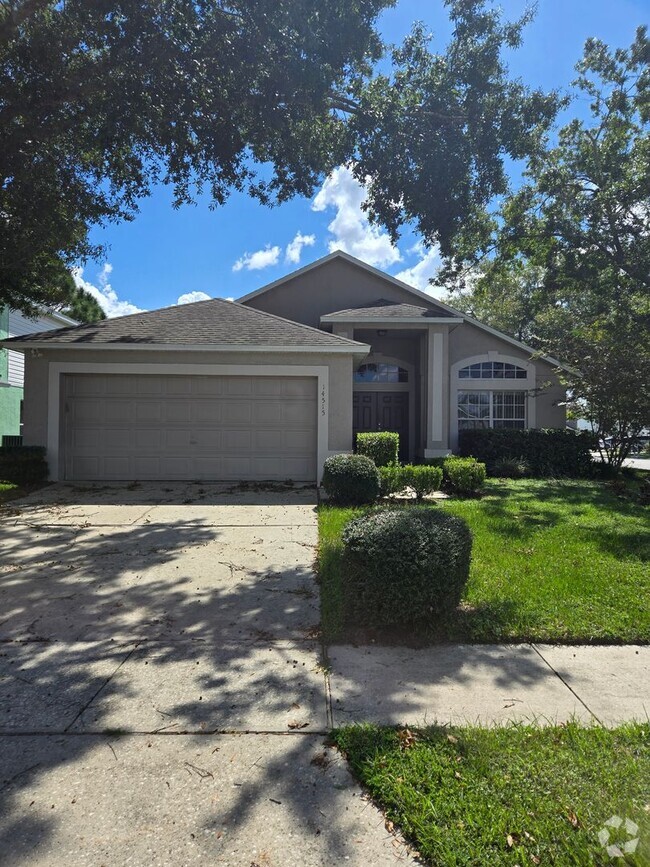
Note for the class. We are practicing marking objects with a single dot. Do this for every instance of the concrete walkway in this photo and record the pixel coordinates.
(164, 696)
(490, 684)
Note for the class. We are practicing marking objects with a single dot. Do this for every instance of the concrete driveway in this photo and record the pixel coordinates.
(162, 693)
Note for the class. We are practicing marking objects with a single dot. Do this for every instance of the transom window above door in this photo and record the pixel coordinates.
(492, 370)
(381, 372)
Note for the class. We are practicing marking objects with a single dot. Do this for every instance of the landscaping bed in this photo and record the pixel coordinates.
(508, 796)
(553, 560)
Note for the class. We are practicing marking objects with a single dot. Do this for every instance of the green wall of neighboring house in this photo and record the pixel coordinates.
(10, 399)
(10, 396)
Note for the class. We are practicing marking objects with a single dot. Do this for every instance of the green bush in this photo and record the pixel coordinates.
(390, 480)
(510, 468)
(463, 475)
(404, 565)
(351, 480)
(547, 452)
(23, 464)
(382, 447)
(423, 479)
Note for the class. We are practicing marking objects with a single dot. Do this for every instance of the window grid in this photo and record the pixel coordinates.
(381, 372)
(491, 409)
(492, 370)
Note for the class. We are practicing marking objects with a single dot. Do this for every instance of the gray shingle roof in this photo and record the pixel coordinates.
(213, 322)
(382, 309)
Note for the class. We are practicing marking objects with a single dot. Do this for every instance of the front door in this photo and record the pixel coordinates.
(383, 410)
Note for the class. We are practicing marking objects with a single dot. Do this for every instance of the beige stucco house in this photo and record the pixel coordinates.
(268, 387)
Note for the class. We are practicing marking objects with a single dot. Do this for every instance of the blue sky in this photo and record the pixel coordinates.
(192, 253)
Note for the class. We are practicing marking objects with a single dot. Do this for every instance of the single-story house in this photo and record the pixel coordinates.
(269, 386)
(12, 364)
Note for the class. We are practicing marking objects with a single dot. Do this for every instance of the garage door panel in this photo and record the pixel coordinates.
(297, 413)
(177, 410)
(208, 385)
(267, 412)
(239, 386)
(178, 439)
(88, 410)
(238, 439)
(189, 427)
(179, 385)
(114, 410)
(114, 385)
(147, 438)
(303, 388)
(268, 387)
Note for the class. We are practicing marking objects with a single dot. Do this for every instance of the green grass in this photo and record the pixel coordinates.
(510, 796)
(562, 561)
(8, 491)
(12, 491)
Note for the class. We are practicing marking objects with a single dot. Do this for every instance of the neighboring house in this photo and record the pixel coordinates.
(12, 364)
(268, 387)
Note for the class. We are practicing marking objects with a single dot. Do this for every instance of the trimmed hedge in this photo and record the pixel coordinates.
(381, 446)
(510, 468)
(423, 479)
(404, 565)
(463, 475)
(552, 452)
(23, 464)
(390, 480)
(351, 480)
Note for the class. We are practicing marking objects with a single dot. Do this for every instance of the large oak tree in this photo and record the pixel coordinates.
(100, 100)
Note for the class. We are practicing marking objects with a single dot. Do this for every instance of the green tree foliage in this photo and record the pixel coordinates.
(99, 101)
(580, 227)
(81, 305)
(432, 134)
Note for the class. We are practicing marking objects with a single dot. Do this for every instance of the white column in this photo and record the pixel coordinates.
(437, 440)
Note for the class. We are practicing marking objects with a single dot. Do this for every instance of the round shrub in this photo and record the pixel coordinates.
(351, 480)
(404, 565)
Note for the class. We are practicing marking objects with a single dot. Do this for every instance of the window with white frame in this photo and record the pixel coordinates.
(488, 408)
(492, 370)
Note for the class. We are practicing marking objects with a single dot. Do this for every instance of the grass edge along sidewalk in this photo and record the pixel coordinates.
(509, 796)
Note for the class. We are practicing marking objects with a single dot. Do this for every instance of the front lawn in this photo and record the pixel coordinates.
(558, 561)
(508, 796)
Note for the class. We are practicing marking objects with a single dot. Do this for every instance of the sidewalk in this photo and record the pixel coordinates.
(489, 684)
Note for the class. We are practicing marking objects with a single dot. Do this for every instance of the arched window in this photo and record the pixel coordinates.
(492, 370)
(380, 371)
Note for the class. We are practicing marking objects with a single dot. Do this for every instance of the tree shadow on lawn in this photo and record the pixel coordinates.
(521, 512)
(153, 628)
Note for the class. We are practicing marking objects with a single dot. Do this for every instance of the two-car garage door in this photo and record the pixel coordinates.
(126, 427)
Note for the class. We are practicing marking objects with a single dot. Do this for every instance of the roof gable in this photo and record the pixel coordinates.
(412, 292)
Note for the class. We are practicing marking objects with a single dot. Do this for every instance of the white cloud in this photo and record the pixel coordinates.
(420, 273)
(258, 260)
(294, 248)
(350, 227)
(104, 293)
(191, 297)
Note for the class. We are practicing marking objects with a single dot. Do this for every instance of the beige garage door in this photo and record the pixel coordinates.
(189, 427)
